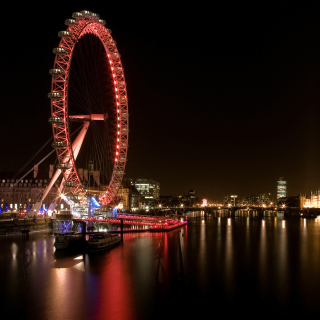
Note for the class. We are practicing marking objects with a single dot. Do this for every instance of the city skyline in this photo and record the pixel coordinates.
(223, 102)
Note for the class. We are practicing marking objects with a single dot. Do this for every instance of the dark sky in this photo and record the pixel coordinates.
(223, 99)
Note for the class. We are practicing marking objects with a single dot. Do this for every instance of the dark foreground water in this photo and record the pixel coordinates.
(253, 267)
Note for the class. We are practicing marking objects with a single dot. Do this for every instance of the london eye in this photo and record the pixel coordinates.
(89, 109)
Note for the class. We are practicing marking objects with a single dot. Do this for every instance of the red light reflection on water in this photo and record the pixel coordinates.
(114, 296)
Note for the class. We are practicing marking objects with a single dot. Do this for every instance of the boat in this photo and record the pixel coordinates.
(68, 240)
(100, 241)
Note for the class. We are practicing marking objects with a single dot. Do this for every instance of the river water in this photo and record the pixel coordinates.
(213, 267)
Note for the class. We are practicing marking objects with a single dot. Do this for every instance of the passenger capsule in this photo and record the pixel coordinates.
(77, 15)
(86, 13)
(56, 71)
(64, 166)
(101, 21)
(55, 95)
(95, 16)
(70, 22)
(70, 184)
(56, 120)
(109, 30)
(65, 34)
(58, 144)
(60, 50)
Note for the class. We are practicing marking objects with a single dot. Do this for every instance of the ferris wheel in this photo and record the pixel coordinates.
(89, 108)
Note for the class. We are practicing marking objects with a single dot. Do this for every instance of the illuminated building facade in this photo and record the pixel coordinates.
(130, 198)
(311, 200)
(16, 196)
(281, 188)
(148, 189)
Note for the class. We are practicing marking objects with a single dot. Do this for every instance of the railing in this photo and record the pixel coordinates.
(153, 222)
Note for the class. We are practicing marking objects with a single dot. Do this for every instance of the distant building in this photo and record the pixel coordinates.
(311, 200)
(130, 198)
(192, 198)
(264, 199)
(148, 189)
(281, 188)
(20, 195)
(249, 201)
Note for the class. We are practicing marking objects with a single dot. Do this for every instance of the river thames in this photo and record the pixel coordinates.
(214, 266)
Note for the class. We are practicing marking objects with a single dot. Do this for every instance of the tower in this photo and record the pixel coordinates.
(281, 188)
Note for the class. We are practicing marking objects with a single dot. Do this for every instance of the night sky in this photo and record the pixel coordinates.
(223, 99)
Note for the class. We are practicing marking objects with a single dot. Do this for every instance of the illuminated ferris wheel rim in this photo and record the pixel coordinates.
(85, 22)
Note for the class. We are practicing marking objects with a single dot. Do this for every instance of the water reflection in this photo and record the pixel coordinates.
(228, 263)
(224, 261)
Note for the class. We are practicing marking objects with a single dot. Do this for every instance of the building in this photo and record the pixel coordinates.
(263, 199)
(281, 188)
(311, 200)
(130, 198)
(148, 189)
(20, 195)
(192, 198)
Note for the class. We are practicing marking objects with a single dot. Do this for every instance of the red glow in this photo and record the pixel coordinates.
(153, 222)
(60, 110)
(115, 294)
